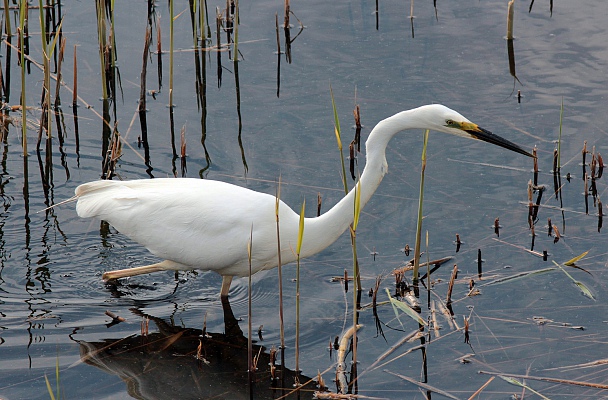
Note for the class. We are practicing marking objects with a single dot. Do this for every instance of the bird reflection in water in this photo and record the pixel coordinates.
(189, 363)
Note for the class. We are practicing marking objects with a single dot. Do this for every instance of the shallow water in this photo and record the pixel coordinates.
(52, 298)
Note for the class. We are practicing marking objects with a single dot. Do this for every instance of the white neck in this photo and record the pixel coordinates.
(322, 231)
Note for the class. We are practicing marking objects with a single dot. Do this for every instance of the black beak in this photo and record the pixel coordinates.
(487, 136)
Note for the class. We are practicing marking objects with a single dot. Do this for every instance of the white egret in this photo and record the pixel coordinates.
(206, 224)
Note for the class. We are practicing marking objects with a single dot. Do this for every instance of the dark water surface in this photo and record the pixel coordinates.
(53, 300)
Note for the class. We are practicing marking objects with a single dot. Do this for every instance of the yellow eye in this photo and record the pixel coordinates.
(449, 122)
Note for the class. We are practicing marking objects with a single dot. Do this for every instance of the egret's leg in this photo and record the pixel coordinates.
(231, 325)
(146, 269)
(226, 281)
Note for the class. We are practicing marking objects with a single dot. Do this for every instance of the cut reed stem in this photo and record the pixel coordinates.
(510, 19)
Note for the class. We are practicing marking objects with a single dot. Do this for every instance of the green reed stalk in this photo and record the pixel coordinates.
(249, 329)
(420, 200)
(356, 275)
(203, 17)
(338, 133)
(7, 19)
(47, 53)
(338, 138)
(559, 138)
(298, 248)
(279, 266)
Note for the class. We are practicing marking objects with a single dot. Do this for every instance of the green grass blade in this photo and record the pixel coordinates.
(582, 287)
(515, 382)
(54, 44)
(338, 133)
(57, 376)
(406, 309)
(48, 386)
(573, 261)
(395, 310)
(520, 275)
(336, 119)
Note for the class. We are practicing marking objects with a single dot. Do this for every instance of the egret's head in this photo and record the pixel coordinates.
(443, 119)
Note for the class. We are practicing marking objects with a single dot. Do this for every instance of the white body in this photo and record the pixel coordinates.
(195, 223)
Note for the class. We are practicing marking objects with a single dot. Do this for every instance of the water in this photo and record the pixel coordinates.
(52, 298)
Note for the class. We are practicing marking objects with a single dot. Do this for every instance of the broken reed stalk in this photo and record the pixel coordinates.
(59, 75)
(236, 31)
(276, 213)
(593, 162)
(141, 107)
(319, 203)
(276, 23)
(183, 142)
(171, 40)
(530, 205)
(287, 12)
(428, 271)
(21, 29)
(159, 52)
(75, 92)
(510, 20)
(448, 299)
(555, 164)
(479, 264)
(420, 201)
(584, 153)
(112, 54)
(357, 115)
(298, 248)
(101, 38)
(341, 380)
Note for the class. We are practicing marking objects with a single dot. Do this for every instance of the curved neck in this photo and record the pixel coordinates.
(322, 231)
